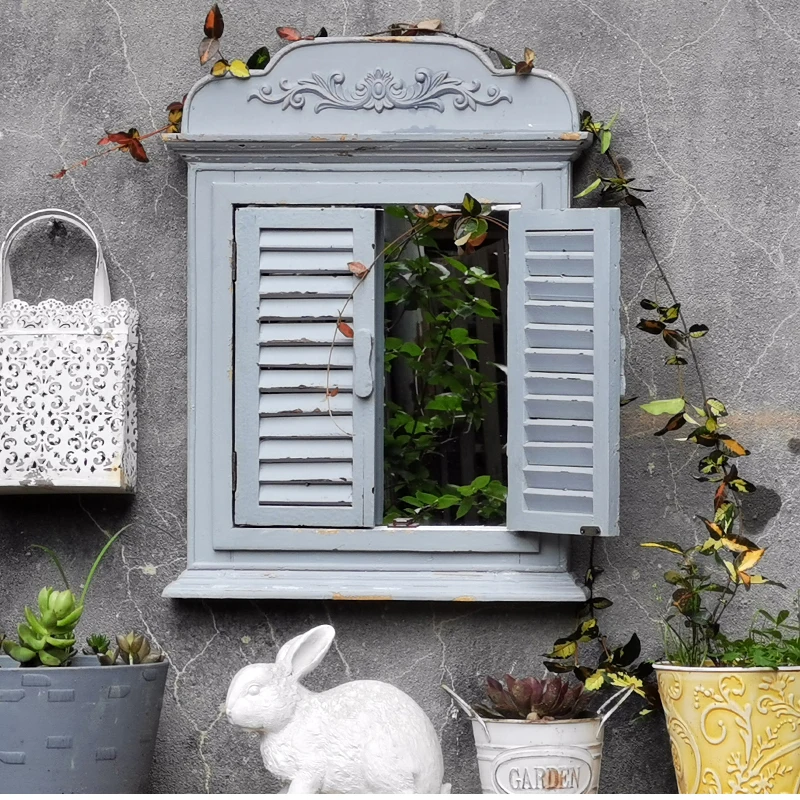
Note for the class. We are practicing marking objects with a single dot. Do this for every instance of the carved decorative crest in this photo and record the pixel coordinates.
(379, 91)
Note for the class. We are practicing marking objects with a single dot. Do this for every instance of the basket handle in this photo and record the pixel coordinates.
(102, 290)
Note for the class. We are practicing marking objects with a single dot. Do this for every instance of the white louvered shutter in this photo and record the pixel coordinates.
(564, 371)
(304, 459)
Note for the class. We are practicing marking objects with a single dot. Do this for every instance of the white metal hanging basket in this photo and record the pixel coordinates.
(67, 384)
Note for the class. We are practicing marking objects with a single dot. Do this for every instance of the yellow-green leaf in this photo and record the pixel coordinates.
(594, 682)
(731, 571)
(674, 406)
(590, 188)
(671, 546)
(239, 69)
(220, 68)
(564, 650)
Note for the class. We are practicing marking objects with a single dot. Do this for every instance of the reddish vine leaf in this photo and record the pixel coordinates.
(127, 142)
(650, 326)
(332, 392)
(214, 26)
(289, 34)
(358, 269)
(345, 329)
(58, 175)
(678, 421)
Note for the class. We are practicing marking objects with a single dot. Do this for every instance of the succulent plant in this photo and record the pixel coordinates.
(133, 648)
(98, 644)
(47, 639)
(532, 699)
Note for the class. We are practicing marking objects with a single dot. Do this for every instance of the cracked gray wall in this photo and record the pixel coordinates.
(709, 119)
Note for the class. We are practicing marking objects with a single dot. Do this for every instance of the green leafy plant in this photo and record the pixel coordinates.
(448, 392)
(774, 643)
(707, 576)
(48, 638)
(532, 699)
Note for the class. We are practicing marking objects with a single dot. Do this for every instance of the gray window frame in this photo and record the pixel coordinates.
(230, 171)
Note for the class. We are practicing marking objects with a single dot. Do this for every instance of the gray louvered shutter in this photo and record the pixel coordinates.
(564, 371)
(303, 459)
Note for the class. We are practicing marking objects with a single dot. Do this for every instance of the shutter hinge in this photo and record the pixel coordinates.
(234, 471)
(233, 260)
(590, 530)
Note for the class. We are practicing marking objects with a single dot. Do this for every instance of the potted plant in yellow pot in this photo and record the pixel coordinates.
(732, 707)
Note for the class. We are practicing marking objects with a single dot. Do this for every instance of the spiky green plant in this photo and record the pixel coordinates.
(98, 644)
(532, 699)
(48, 639)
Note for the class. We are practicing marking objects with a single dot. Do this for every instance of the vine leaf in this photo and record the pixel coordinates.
(590, 188)
(259, 59)
(344, 329)
(653, 326)
(289, 34)
(128, 142)
(358, 269)
(214, 25)
(672, 547)
(673, 406)
(525, 66)
(208, 49)
(175, 111)
(673, 423)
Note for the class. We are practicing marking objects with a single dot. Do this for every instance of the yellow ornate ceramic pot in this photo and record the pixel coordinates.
(733, 731)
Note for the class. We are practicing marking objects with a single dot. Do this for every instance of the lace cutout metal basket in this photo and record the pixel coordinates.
(67, 384)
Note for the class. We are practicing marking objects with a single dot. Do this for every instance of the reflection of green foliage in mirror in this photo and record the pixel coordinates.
(448, 391)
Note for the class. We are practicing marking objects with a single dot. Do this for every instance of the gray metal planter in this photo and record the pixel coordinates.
(79, 729)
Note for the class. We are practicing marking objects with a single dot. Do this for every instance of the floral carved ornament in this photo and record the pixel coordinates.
(379, 91)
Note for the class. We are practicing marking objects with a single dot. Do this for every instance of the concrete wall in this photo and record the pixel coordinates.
(710, 116)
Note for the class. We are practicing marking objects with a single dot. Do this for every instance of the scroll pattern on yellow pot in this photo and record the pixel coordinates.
(733, 731)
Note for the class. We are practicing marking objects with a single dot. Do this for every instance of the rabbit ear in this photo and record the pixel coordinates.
(303, 653)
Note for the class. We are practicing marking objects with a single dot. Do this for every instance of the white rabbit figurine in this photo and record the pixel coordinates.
(363, 737)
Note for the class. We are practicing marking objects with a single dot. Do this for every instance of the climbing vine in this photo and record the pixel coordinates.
(709, 575)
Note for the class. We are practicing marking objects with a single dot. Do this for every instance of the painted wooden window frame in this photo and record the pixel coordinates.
(227, 172)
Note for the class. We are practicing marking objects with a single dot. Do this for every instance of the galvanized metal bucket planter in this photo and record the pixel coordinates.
(733, 731)
(67, 383)
(78, 729)
(545, 757)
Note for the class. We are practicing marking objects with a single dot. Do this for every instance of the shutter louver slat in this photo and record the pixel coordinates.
(564, 373)
(306, 452)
